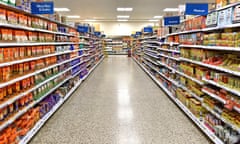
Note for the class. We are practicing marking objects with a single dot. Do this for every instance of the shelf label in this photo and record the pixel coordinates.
(42, 8)
(196, 9)
(175, 20)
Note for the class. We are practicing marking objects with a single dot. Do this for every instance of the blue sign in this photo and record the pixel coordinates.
(98, 34)
(148, 29)
(196, 9)
(175, 20)
(42, 7)
(138, 33)
(83, 29)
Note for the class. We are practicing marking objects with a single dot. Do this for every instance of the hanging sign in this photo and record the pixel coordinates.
(83, 29)
(175, 20)
(42, 7)
(196, 9)
(98, 34)
(148, 29)
(138, 33)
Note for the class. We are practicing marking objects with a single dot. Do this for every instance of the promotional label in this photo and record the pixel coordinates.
(42, 8)
(196, 9)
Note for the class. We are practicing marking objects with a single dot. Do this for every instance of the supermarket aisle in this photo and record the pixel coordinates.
(119, 104)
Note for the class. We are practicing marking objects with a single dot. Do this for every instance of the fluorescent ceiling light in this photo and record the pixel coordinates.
(171, 10)
(123, 20)
(153, 20)
(123, 16)
(157, 17)
(61, 9)
(124, 9)
(73, 16)
(90, 20)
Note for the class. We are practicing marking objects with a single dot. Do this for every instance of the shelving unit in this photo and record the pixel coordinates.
(201, 79)
(49, 62)
(197, 121)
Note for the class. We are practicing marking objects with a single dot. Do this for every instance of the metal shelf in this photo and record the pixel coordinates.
(199, 123)
(192, 93)
(191, 78)
(211, 66)
(221, 118)
(236, 92)
(220, 48)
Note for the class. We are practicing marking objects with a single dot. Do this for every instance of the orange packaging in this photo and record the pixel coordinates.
(4, 34)
(1, 54)
(52, 49)
(1, 94)
(4, 92)
(32, 65)
(10, 35)
(30, 36)
(17, 87)
(3, 16)
(15, 69)
(6, 73)
(6, 54)
(32, 80)
(23, 83)
(10, 52)
(29, 21)
(26, 66)
(12, 17)
(22, 52)
(29, 51)
(34, 51)
(9, 90)
(20, 70)
(15, 53)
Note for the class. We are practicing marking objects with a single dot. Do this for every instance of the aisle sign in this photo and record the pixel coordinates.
(83, 29)
(196, 9)
(42, 7)
(98, 34)
(175, 20)
(148, 29)
(138, 33)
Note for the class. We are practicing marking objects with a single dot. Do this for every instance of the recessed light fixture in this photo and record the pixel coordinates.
(124, 9)
(90, 20)
(73, 16)
(158, 17)
(122, 20)
(61, 9)
(153, 20)
(171, 10)
(123, 16)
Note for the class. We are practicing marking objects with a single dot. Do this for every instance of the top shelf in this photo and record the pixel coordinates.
(236, 25)
(15, 9)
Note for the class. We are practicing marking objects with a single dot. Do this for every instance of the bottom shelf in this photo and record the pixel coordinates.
(42, 121)
(199, 123)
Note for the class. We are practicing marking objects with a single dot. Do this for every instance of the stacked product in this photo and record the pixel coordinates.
(41, 64)
(201, 75)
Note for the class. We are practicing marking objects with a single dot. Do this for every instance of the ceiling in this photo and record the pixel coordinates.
(105, 10)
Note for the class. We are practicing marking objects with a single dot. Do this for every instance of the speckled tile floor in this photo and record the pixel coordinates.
(119, 104)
